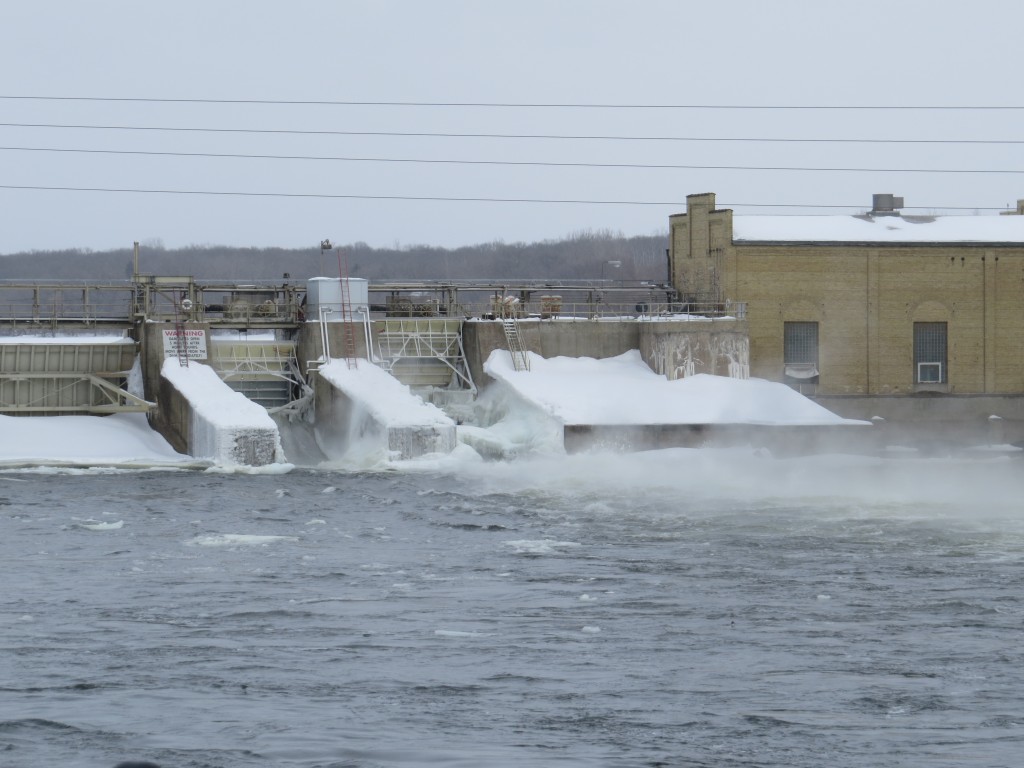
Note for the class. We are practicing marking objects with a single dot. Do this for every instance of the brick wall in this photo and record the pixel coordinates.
(866, 299)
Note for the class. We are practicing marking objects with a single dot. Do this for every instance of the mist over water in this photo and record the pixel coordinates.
(678, 607)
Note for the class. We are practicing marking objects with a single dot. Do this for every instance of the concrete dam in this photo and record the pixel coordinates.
(218, 366)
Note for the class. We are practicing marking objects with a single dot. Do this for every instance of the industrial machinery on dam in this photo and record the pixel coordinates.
(265, 338)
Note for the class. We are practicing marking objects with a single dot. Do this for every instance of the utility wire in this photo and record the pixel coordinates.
(426, 134)
(336, 197)
(515, 105)
(520, 163)
(674, 203)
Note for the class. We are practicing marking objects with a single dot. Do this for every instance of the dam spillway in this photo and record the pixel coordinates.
(100, 348)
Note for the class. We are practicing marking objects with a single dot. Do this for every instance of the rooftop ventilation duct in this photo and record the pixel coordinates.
(885, 205)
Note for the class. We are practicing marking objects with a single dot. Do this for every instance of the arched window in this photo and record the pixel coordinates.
(800, 353)
(930, 353)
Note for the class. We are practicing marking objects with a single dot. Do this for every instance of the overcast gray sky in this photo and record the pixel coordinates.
(126, 64)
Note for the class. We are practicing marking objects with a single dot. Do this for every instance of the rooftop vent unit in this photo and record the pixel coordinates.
(885, 205)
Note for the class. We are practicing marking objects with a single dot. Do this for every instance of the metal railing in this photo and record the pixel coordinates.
(601, 310)
(276, 304)
(45, 302)
(155, 298)
(236, 304)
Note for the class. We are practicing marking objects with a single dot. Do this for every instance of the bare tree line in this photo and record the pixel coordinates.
(582, 255)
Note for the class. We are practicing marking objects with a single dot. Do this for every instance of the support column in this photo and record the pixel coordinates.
(872, 301)
(990, 264)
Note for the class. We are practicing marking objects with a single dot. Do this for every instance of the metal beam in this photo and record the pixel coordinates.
(114, 398)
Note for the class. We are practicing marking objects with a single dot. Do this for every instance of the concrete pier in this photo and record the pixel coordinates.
(364, 410)
(202, 416)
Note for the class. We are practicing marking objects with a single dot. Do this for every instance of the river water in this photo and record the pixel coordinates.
(671, 608)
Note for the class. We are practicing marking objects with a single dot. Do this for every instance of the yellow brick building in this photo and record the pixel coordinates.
(873, 305)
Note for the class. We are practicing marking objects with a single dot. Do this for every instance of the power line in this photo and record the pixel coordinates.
(518, 163)
(553, 136)
(674, 203)
(515, 105)
(222, 193)
(806, 206)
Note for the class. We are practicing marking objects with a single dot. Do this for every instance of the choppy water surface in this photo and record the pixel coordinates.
(677, 608)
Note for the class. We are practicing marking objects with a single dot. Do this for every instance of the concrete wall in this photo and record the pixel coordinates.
(878, 438)
(173, 415)
(550, 338)
(309, 344)
(780, 440)
(682, 348)
(151, 350)
(964, 419)
(718, 347)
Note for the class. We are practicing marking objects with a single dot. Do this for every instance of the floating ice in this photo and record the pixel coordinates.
(96, 525)
(238, 539)
(540, 546)
(456, 633)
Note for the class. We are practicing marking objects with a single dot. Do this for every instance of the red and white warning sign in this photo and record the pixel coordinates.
(193, 340)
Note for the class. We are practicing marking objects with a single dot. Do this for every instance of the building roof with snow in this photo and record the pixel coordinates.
(884, 223)
(987, 230)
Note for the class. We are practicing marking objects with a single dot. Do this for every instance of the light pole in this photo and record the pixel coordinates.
(325, 245)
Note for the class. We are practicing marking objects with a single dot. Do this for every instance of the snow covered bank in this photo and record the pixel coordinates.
(120, 440)
(365, 408)
(224, 425)
(624, 390)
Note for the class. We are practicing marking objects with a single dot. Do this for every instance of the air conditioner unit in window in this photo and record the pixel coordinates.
(929, 373)
(801, 370)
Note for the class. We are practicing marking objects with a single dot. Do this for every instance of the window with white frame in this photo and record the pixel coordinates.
(930, 353)
(800, 349)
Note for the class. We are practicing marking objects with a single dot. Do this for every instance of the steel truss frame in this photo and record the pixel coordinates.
(117, 399)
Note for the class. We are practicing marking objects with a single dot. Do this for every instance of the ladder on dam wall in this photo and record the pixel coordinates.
(347, 315)
(179, 331)
(520, 360)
